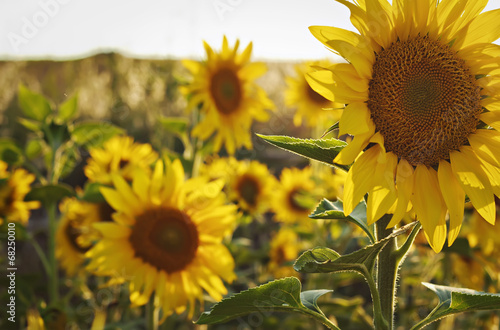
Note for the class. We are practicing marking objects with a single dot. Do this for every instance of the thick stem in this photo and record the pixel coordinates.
(54, 274)
(387, 269)
(152, 313)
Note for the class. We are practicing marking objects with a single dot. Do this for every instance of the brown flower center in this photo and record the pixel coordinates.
(72, 233)
(299, 200)
(248, 188)
(166, 238)
(226, 90)
(423, 99)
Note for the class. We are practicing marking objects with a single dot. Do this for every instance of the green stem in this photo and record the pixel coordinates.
(41, 254)
(323, 319)
(387, 269)
(54, 275)
(152, 314)
(379, 320)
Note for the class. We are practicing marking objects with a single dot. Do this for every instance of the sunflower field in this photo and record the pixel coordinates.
(229, 193)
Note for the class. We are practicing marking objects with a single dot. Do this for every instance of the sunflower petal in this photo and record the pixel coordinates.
(355, 119)
(404, 185)
(383, 195)
(429, 206)
(454, 197)
(474, 182)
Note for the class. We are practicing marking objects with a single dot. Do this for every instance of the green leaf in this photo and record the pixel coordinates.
(310, 299)
(335, 210)
(33, 105)
(176, 125)
(33, 148)
(94, 134)
(456, 300)
(323, 150)
(56, 135)
(32, 125)
(10, 152)
(92, 194)
(325, 260)
(50, 194)
(282, 295)
(67, 110)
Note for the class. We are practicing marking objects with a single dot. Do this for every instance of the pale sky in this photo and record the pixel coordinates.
(37, 29)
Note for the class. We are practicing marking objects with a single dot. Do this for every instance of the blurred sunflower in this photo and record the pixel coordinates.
(14, 186)
(420, 91)
(219, 168)
(119, 155)
(311, 106)
(75, 233)
(295, 196)
(224, 85)
(251, 187)
(166, 238)
(34, 320)
(284, 249)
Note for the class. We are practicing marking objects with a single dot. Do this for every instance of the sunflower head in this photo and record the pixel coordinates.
(119, 155)
(166, 235)
(421, 94)
(230, 99)
(251, 187)
(311, 106)
(14, 186)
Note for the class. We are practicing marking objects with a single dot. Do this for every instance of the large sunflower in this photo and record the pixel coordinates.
(166, 237)
(421, 89)
(119, 155)
(311, 106)
(14, 186)
(224, 85)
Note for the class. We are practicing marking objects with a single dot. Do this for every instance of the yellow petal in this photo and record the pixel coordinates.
(454, 197)
(474, 182)
(486, 144)
(404, 185)
(352, 150)
(112, 230)
(355, 119)
(359, 179)
(485, 28)
(383, 195)
(429, 206)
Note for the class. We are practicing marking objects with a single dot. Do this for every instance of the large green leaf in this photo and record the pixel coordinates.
(325, 260)
(282, 295)
(456, 300)
(335, 210)
(94, 134)
(323, 150)
(10, 152)
(50, 194)
(33, 105)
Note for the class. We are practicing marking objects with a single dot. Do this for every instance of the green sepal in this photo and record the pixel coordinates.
(335, 210)
(456, 300)
(323, 150)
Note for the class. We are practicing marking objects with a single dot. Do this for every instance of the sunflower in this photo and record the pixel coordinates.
(75, 234)
(311, 106)
(224, 85)
(166, 236)
(284, 249)
(120, 155)
(14, 186)
(296, 196)
(216, 167)
(421, 89)
(251, 187)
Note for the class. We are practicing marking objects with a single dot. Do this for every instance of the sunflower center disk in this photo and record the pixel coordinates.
(226, 90)
(423, 99)
(248, 189)
(165, 238)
